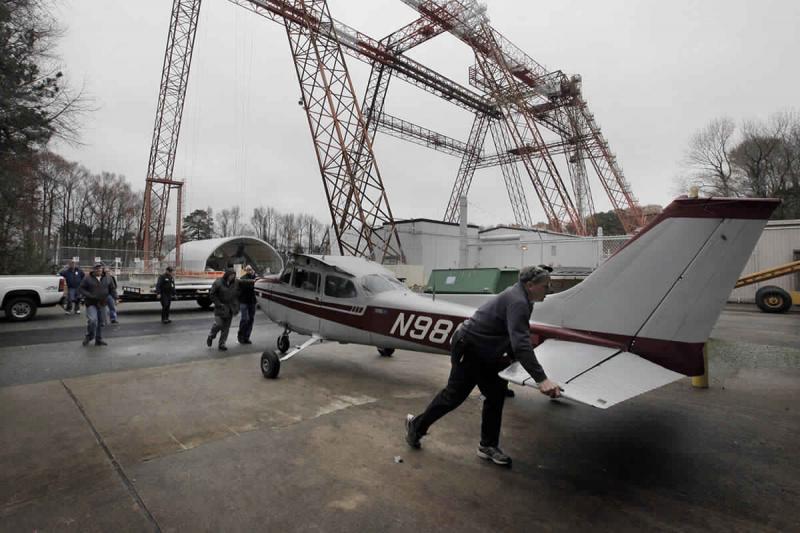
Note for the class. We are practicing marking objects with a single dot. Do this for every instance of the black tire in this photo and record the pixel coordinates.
(772, 299)
(205, 303)
(283, 343)
(20, 308)
(386, 352)
(270, 365)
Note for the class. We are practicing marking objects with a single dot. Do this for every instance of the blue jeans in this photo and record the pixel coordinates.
(247, 317)
(94, 327)
(112, 308)
(73, 299)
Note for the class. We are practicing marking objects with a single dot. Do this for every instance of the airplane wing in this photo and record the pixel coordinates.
(594, 375)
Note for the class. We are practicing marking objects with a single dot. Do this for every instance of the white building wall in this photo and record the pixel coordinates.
(435, 246)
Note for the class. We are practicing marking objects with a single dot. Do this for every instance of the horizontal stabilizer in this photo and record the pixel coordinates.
(595, 375)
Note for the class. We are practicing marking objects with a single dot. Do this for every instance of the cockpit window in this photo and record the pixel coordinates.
(305, 280)
(338, 287)
(376, 283)
(287, 274)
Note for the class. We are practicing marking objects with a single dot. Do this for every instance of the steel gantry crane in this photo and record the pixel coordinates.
(513, 98)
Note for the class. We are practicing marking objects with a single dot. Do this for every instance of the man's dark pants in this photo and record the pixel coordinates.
(165, 303)
(247, 316)
(466, 372)
(222, 324)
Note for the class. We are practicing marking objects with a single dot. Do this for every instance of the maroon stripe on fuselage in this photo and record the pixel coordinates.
(378, 320)
(683, 357)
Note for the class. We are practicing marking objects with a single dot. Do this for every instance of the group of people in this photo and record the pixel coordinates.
(74, 277)
(98, 293)
(230, 297)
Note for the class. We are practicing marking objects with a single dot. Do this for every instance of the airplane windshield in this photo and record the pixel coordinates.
(376, 283)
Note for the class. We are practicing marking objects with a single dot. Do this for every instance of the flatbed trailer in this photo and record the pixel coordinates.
(773, 299)
(194, 290)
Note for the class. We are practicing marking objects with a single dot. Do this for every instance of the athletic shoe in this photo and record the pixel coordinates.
(223, 348)
(494, 454)
(67, 312)
(86, 340)
(245, 341)
(114, 321)
(101, 343)
(412, 438)
(209, 340)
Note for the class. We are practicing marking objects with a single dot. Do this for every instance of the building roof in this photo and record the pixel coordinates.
(526, 230)
(429, 220)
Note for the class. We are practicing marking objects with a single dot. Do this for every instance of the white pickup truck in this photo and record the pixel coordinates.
(21, 296)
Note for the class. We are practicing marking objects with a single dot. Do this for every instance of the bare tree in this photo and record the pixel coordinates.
(708, 159)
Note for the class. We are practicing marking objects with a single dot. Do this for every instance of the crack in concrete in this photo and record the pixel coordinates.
(117, 466)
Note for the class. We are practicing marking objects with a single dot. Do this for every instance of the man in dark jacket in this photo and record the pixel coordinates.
(225, 295)
(480, 348)
(112, 300)
(165, 291)
(247, 305)
(73, 275)
(95, 289)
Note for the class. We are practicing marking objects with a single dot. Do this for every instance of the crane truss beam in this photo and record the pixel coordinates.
(353, 185)
(169, 110)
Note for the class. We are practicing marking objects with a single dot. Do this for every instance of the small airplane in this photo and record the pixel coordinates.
(638, 322)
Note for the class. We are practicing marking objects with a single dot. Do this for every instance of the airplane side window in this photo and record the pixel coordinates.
(338, 287)
(306, 280)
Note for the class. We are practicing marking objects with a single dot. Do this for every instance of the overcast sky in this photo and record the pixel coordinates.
(653, 73)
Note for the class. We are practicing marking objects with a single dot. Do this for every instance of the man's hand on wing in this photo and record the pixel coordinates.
(550, 388)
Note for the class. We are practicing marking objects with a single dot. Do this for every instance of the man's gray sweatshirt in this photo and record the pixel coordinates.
(502, 325)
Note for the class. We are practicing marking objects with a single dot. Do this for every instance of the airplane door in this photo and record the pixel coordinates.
(344, 310)
(304, 293)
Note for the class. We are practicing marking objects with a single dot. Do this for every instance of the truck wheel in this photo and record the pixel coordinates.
(270, 365)
(773, 299)
(20, 308)
(205, 303)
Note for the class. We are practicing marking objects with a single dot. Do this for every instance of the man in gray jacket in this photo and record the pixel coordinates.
(95, 289)
(225, 295)
(496, 334)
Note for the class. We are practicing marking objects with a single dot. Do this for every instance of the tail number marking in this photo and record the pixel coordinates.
(420, 327)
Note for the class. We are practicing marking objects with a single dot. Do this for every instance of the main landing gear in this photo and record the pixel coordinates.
(386, 352)
(271, 360)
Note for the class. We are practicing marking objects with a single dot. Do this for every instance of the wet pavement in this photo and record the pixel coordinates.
(159, 432)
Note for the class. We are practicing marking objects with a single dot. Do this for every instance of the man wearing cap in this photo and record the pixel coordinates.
(165, 291)
(73, 275)
(497, 334)
(225, 295)
(95, 289)
(247, 305)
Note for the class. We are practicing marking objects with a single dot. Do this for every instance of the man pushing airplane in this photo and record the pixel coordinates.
(497, 334)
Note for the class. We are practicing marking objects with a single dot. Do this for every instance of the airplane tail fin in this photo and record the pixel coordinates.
(660, 295)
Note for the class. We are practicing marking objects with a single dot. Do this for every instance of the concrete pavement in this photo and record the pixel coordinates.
(207, 444)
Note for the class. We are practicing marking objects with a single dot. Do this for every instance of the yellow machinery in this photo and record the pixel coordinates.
(772, 299)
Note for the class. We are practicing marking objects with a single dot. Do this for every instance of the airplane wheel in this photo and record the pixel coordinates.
(270, 365)
(283, 343)
(386, 352)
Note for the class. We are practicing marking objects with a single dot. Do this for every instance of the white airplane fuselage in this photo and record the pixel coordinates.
(398, 319)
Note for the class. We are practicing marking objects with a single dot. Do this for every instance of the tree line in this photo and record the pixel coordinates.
(286, 232)
(759, 158)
